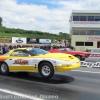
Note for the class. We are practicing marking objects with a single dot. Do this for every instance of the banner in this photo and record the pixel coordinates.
(5, 39)
(93, 38)
(32, 40)
(90, 64)
(86, 22)
(45, 41)
(19, 40)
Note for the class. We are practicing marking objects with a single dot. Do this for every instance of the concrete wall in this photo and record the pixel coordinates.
(81, 38)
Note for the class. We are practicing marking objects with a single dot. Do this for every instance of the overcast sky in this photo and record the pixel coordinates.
(42, 15)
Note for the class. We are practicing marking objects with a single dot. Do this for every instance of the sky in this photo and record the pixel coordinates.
(43, 15)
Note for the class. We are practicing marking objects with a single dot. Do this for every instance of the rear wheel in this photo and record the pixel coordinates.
(46, 70)
(4, 69)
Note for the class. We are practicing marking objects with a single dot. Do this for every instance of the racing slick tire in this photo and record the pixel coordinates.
(46, 70)
(4, 68)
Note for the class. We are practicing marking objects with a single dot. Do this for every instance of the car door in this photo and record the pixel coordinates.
(20, 60)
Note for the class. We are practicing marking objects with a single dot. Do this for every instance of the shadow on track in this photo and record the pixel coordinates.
(56, 79)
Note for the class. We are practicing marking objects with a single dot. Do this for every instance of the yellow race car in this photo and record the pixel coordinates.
(37, 60)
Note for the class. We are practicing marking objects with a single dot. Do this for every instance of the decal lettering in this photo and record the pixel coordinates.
(21, 62)
(90, 64)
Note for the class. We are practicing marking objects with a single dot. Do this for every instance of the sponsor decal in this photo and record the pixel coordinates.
(21, 62)
(32, 40)
(19, 40)
(45, 41)
(56, 68)
(54, 62)
(35, 60)
(90, 64)
(92, 38)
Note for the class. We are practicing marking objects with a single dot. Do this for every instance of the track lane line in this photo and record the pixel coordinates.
(86, 71)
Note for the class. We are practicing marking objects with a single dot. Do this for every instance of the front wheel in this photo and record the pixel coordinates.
(4, 69)
(46, 70)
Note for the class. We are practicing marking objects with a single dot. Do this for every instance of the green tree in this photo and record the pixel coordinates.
(0, 21)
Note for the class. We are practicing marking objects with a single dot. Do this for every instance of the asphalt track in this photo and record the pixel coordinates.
(78, 84)
(93, 59)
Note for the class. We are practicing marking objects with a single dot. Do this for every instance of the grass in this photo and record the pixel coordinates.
(16, 35)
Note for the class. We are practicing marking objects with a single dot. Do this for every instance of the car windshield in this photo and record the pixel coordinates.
(65, 49)
(69, 49)
(37, 51)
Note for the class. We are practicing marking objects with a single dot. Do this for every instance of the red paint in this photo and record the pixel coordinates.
(21, 62)
(2, 59)
(68, 51)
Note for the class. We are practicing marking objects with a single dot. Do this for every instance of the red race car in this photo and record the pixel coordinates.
(79, 54)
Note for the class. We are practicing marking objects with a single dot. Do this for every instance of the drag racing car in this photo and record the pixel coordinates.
(37, 60)
(79, 54)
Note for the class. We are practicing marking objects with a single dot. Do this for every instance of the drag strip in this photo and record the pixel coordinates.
(92, 59)
(73, 85)
(79, 84)
(88, 70)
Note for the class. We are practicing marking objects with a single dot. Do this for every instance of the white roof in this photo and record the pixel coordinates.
(86, 11)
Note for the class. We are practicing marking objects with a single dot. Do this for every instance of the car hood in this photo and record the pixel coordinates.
(59, 56)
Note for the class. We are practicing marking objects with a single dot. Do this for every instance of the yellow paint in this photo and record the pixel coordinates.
(23, 68)
(67, 68)
(56, 56)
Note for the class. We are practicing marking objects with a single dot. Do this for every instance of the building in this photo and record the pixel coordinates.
(85, 29)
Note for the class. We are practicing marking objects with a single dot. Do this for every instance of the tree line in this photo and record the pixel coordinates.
(11, 32)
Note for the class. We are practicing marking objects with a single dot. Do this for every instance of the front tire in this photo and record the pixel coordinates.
(4, 69)
(46, 70)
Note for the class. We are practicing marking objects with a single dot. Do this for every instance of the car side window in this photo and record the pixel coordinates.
(20, 53)
(33, 52)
